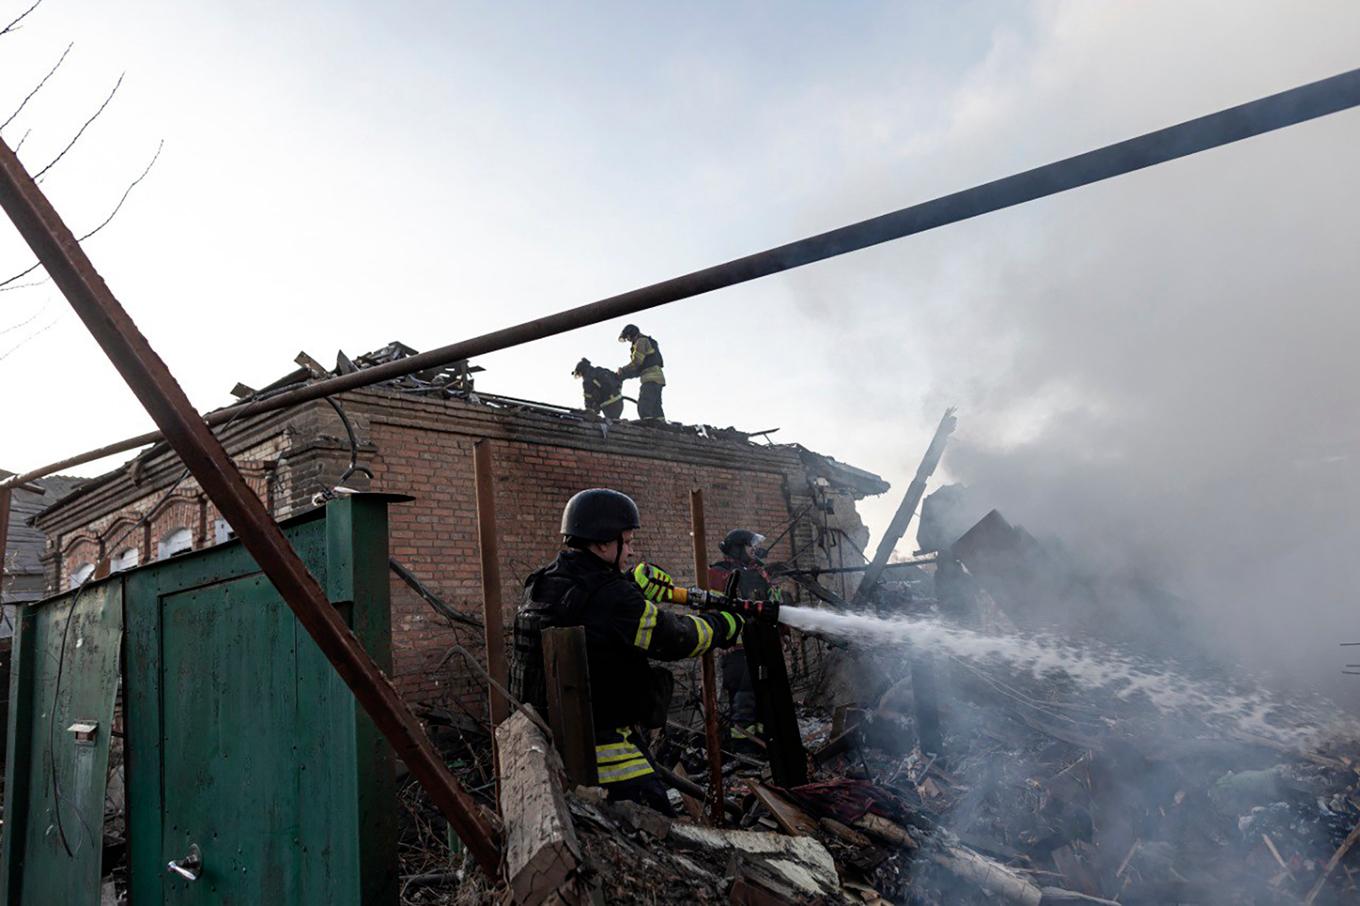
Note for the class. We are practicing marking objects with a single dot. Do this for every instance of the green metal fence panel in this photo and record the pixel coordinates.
(63, 685)
(243, 741)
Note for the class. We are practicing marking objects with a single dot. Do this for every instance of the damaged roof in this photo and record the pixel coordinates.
(455, 381)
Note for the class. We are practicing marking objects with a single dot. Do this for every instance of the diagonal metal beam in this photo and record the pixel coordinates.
(156, 388)
(1277, 111)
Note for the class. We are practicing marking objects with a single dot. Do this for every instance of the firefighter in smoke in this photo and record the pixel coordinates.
(603, 389)
(742, 558)
(589, 585)
(645, 364)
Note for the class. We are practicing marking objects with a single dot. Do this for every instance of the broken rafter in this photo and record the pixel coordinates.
(1288, 108)
(907, 508)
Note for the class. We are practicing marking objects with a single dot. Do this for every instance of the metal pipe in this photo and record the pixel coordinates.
(493, 610)
(712, 740)
(1288, 108)
(165, 401)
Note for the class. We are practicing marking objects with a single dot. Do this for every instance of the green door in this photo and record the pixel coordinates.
(229, 681)
(245, 747)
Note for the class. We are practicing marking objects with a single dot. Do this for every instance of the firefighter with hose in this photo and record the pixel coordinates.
(590, 584)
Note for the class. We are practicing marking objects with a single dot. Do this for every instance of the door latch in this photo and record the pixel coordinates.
(189, 867)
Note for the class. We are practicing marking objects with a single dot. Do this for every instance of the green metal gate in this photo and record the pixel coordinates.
(243, 745)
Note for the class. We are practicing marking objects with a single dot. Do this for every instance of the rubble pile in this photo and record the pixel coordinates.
(1039, 796)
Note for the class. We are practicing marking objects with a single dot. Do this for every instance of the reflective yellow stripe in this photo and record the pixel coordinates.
(643, 638)
(626, 771)
(616, 752)
(705, 635)
(731, 623)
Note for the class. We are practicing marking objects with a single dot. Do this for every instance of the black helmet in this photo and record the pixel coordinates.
(630, 332)
(739, 538)
(581, 368)
(599, 515)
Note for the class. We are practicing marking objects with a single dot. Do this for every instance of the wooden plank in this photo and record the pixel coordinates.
(493, 611)
(1332, 863)
(774, 703)
(541, 849)
(568, 679)
(709, 668)
(927, 702)
(693, 807)
(790, 817)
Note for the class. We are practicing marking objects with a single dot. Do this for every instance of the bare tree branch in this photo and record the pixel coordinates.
(29, 97)
(37, 177)
(126, 192)
(14, 24)
(5, 284)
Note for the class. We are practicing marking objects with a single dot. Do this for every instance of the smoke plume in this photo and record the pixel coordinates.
(1159, 372)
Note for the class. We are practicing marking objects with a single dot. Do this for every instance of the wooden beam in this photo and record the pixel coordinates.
(712, 741)
(541, 849)
(774, 703)
(910, 500)
(493, 610)
(567, 675)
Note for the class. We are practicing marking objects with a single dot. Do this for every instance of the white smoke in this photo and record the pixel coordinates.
(1159, 370)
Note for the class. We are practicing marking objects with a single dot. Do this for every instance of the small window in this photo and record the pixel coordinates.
(80, 574)
(177, 542)
(125, 560)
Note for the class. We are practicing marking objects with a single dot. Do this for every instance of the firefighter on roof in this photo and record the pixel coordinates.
(602, 388)
(644, 363)
(589, 585)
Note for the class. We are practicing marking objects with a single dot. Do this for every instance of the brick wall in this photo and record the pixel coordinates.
(424, 448)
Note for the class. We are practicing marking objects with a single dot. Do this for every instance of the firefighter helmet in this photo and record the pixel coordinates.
(599, 515)
(582, 367)
(739, 538)
(630, 333)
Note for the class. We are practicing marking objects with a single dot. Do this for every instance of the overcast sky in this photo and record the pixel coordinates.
(1160, 365)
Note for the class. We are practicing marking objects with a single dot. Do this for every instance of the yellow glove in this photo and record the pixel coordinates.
(656, 585)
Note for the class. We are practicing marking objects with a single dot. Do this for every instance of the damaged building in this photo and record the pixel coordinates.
(415, 437)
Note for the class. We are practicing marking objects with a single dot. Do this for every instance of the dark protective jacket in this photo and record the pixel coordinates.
(752, 583)
(645, 362)
(623, 630)
(601, 387)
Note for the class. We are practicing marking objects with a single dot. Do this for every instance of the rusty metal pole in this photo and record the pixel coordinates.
(712, 741)
(493, 614)
(1277, 111)
(149, 378)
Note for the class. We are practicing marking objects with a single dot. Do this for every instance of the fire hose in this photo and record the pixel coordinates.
(657, 586)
